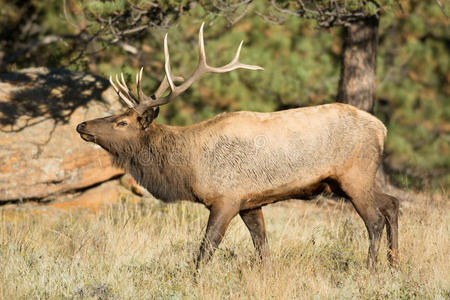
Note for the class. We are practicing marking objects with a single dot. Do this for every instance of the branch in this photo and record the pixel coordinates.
(285, 11)
(271, 19)
(128, 48)
(49, 39)
(116, 28)
(441, 7)
(230, 11)
(329, 13)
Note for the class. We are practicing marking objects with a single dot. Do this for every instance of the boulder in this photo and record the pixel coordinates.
(41, 154)
(94, 198)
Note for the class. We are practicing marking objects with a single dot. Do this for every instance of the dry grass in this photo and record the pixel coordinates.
(135, 251)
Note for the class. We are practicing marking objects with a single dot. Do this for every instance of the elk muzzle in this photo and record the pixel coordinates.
(81, 129)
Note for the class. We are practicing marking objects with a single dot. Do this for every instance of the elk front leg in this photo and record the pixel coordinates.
(254, 220)
(219, 218)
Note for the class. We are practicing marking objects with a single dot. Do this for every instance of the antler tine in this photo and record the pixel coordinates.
(126, 90)
(202, 68)
(235, 64)
(138, 83)
(121, 96)
(168, 81)
(201, 48)
(167, 65)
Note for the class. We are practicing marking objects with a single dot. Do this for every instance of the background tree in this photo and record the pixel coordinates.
(360, 19)
(360, 42)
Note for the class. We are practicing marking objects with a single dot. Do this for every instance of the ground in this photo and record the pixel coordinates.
(144, 249)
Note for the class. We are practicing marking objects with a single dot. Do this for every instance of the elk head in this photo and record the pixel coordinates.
(142, 109)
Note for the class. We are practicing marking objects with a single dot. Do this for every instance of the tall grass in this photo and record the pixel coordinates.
(145, 250)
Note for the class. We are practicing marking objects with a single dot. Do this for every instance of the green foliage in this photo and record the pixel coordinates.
(106, 8)
(302, 65)
(412, 74)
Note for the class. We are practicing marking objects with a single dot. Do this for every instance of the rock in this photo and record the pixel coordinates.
(94, 198)
(41, 154)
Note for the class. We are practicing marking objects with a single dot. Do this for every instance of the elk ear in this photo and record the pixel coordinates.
(156, 112)
(148, 116)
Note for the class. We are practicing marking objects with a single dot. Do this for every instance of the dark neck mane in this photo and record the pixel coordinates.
(159, 161)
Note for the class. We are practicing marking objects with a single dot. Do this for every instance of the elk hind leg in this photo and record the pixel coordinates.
(254, 220)
(389, 207)
(363, 199)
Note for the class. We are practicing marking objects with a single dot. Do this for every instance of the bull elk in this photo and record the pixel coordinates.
(235, 163)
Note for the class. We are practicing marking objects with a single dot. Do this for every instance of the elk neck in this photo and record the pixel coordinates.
(159, 160)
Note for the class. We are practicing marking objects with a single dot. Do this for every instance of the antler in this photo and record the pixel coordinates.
(130, 99)
(143, 102)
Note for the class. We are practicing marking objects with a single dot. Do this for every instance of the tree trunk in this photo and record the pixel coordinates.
(358, 77)
(358, 68)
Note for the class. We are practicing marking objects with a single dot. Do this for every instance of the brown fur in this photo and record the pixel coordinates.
(237, 162)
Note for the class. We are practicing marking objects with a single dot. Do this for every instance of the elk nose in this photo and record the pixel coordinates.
(81, 126)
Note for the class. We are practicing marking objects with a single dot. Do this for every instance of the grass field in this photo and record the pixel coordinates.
(145, 250)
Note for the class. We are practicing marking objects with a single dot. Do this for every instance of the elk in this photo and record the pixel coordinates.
(235, 163)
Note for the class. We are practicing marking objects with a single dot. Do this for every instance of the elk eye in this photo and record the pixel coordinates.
(122, 124)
